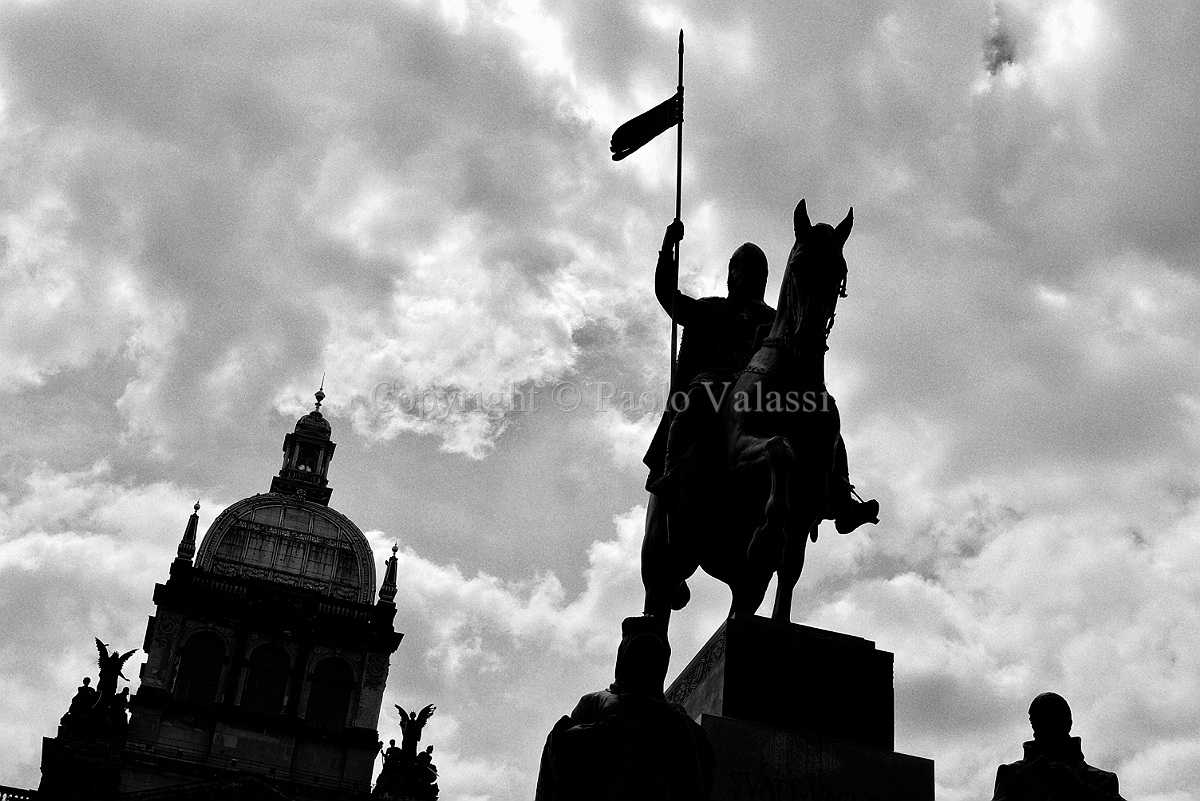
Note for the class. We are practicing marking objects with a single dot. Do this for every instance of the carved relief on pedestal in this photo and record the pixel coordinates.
(376, 672)
(361, 714)
(166, 627)
(370, 699)
(163, 644)
(696, 672)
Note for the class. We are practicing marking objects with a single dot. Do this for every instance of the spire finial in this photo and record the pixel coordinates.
(187, 545)
(320, 396)
(387, 592)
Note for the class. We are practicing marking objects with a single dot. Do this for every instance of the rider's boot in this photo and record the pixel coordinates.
(854, 513)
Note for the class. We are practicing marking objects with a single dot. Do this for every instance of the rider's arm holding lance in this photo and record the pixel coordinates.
(666, 273)
(666, 279)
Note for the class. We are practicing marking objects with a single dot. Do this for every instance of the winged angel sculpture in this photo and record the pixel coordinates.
(110, 670)
(407, 774)
(99, 710)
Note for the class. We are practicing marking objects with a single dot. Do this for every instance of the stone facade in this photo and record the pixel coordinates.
(268, 655)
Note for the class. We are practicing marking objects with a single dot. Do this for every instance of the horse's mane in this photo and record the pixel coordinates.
(815, 277)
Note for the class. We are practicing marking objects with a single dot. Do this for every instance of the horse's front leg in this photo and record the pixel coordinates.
(766, 548)
(666, 566)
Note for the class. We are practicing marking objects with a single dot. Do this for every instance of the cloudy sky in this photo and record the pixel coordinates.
(205, 206)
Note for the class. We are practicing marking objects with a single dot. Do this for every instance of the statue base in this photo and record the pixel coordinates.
(797, 712)
(80, 767)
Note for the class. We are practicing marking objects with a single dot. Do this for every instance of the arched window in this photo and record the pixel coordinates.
(307, 461)
(319, 564)
(232, 544)
(200, 663)
(330, 693)
(347, 566)
(260, 550)
(266, 680)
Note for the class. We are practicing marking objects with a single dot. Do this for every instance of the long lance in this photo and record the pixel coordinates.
(678, 208)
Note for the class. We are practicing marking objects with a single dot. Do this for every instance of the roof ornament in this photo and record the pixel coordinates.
(187, 546)
(387, 591)
(320, 395)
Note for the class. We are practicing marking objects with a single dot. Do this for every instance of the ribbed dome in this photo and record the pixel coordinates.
(291, 541)
(314, 422)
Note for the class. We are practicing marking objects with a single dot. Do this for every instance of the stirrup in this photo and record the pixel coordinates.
(859, 513)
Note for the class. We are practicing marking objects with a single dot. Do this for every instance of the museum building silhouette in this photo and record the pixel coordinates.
(267, 656)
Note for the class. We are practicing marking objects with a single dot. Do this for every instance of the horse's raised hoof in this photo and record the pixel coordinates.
(682, 595)
(859, 513)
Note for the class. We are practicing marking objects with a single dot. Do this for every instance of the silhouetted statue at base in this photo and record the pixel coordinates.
(1053, 768)
(627, 743)
(118, 712)
(81, 704)
(100, 712)
(744, 473)
(406, 774)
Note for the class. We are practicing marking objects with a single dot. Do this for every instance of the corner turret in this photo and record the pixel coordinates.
(187, 545)
(387, 591)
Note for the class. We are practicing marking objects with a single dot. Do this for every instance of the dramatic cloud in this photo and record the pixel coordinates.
(79, 556)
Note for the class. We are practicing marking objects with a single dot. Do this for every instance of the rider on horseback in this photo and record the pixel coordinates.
(720, 336)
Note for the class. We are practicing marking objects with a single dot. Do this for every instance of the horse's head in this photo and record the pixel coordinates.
(814, 279)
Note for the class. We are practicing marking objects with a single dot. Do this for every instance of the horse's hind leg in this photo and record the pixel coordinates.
(748, 594)
(665, 568)
(789, 573)
(766, 547)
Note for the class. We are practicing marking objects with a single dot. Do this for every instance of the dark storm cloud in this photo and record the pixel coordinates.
(1000, 49)
(1001, 46)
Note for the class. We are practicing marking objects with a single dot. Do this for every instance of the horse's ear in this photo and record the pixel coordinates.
(843, 228)
(800, 220)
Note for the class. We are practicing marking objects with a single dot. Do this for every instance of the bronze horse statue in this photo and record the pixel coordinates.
(754, 488)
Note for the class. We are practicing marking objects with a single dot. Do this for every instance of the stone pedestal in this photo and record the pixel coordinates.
(795, 712)
(80, 766)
